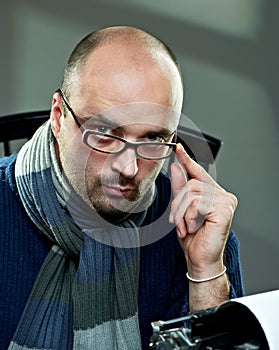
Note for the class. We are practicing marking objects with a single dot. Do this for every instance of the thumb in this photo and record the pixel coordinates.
(178, 178)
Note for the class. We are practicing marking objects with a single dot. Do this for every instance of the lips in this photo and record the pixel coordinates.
(117, 191)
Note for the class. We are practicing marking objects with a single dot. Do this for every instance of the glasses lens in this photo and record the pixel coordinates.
(110, 144)
(154, 151)
(104, 143)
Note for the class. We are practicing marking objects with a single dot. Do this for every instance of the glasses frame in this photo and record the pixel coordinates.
(135, 145)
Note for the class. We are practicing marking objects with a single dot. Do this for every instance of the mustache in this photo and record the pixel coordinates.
(118, 181)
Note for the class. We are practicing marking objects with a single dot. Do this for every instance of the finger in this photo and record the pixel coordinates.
(190, 222)
(193, 168)
(194, 190)
(180, 204)
(181, 229)
(192, 207)
(195, 215)
(178, 182)
(178, 178)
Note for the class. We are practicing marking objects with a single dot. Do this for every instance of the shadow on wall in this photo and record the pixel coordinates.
(259, 259)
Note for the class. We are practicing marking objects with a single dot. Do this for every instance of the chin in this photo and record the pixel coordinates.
(108, 211)
(113, 216)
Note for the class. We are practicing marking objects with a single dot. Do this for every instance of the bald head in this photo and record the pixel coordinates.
(135, 46)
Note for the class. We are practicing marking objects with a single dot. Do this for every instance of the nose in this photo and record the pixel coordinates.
(126, 163)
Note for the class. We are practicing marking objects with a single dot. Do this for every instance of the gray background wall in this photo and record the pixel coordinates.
(228, 50)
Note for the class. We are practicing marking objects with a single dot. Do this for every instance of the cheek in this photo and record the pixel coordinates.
(149, 168)
(105, 163)
(99, 163)
(72, 150)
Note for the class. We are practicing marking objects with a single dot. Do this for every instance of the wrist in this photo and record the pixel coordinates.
(206, 279)
(206, 272)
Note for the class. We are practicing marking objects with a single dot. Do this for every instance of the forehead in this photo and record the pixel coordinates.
(122, 73)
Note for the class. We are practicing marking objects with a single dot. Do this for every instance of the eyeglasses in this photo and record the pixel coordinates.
(112, 144)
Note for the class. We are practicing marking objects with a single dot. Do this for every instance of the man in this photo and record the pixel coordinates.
(91, 223)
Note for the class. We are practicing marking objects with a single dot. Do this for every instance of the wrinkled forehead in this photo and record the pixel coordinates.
(139, 114)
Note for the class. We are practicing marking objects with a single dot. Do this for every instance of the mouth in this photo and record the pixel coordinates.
(117, 191)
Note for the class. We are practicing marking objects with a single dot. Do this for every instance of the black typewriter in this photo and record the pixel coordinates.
(231, 327)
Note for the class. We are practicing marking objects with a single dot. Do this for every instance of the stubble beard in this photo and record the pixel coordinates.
(90, 188)
(115, 209)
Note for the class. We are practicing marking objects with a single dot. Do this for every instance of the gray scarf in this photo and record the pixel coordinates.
(86, 293)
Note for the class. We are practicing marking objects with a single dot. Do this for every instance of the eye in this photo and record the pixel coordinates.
(156, 138)
(103, 129)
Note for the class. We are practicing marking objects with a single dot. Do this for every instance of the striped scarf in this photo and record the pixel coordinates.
(86, 293)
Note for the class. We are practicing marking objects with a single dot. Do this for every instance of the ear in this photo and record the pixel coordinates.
(56, 114)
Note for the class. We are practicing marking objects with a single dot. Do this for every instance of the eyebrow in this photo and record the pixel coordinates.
(161, 131)
(101, 118)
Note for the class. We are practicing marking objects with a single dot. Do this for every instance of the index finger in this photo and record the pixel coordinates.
(194, 170)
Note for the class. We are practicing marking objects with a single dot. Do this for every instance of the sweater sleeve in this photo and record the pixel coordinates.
(233, 264)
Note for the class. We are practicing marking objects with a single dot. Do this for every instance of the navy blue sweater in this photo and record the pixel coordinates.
(163, 291)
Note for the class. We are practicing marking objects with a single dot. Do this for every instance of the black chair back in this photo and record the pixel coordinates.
(20, 126)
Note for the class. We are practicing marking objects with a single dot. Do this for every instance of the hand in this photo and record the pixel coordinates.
(202, 212)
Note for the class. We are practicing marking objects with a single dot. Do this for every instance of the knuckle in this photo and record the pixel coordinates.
(192, 184)
(233, 199)
(195, 202)
(173, 207)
